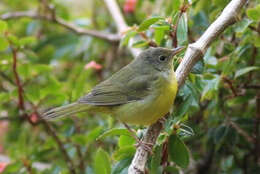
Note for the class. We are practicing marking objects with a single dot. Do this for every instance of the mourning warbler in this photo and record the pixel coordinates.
(140, 93)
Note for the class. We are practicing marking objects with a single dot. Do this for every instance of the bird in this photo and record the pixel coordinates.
(140, 93)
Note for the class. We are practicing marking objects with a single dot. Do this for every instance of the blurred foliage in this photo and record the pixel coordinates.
(215, 124)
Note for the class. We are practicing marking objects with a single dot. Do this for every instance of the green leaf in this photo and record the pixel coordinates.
(13, 167)
(140, 44)
(242, 25)
(92, 136)
(79, 139)
(176, 5)
(127, 37)
(156, 160)
(122, 166)
(24, 70)
(245, 70)
(254, 13)
(147, 23)
(210, 88)
(102, 163)
(33, 93)
(4, 97)
(256, 41)
(125, 141)
(3, 43)
(159, 35)
(27, 40)
(113, 132)
(182, 30)
(171, 170)
(87, 139)
(198, 68)
(3, 27)
(124, 152)
(13, 39)
(178, 151)
(220, 133)
(226, 163)
(190, 99)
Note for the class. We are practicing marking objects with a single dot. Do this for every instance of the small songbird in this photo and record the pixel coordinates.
(140, 93)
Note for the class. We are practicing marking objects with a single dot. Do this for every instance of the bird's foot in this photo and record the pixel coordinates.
(162, 120)
(147, 146)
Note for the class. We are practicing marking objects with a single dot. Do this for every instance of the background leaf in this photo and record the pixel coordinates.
(178, 151)
(102, 162)
(147, 23)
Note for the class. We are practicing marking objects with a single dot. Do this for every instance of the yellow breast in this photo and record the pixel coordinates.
(154, 106)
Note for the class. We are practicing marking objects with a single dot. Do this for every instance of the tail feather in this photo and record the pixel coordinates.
(64, 111)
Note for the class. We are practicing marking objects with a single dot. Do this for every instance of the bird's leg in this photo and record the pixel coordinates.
(147, 146)
(162, 120)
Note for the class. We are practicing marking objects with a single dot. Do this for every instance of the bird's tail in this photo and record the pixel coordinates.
(64, 111)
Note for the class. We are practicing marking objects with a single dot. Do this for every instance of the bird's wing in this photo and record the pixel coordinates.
(123, 90)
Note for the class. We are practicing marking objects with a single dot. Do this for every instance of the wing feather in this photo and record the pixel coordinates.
(121, 91)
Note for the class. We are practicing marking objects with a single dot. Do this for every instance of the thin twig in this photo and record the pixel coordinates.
(251, 86)
(78, 148)
(19, 118)
(17, 80)
(21, 106)
(72, 27)
(241, 131)
(193, 54)
(230, 84)
(27, 164)
(67, 158)
(255, 29)
(151, 43)
(4, 76)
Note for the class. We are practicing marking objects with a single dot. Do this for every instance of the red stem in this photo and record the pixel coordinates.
(17, 80)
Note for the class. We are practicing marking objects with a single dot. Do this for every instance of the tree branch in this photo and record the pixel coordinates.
(17, 80)
(72, 27)
(241, 131)
(194, 52)
(120, 23)
(67, 158)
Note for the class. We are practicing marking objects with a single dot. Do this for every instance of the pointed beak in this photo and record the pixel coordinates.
(177, 50)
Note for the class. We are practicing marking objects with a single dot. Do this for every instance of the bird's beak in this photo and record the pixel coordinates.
(177, 50)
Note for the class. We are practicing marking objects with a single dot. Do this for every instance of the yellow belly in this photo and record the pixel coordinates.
(150, 109)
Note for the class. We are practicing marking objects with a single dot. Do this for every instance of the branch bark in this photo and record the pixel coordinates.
(120, 23)
(194, 52)
(72, 27)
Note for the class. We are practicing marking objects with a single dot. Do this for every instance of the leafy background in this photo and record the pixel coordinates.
(214, 127)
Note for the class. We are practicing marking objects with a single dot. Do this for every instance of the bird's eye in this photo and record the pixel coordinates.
(162, 58)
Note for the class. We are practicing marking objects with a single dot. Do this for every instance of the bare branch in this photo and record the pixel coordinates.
(17, 80)
(241, 131)
(120, 23)
(67, 158)
(194, 52)
(72, 27)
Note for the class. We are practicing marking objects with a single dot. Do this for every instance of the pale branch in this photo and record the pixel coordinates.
(194, 52)
(70, 26)
(120, 23)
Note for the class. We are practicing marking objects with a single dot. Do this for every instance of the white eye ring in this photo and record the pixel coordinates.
(162, 58)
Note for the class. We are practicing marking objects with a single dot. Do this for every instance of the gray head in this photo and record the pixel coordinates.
(160, 58)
